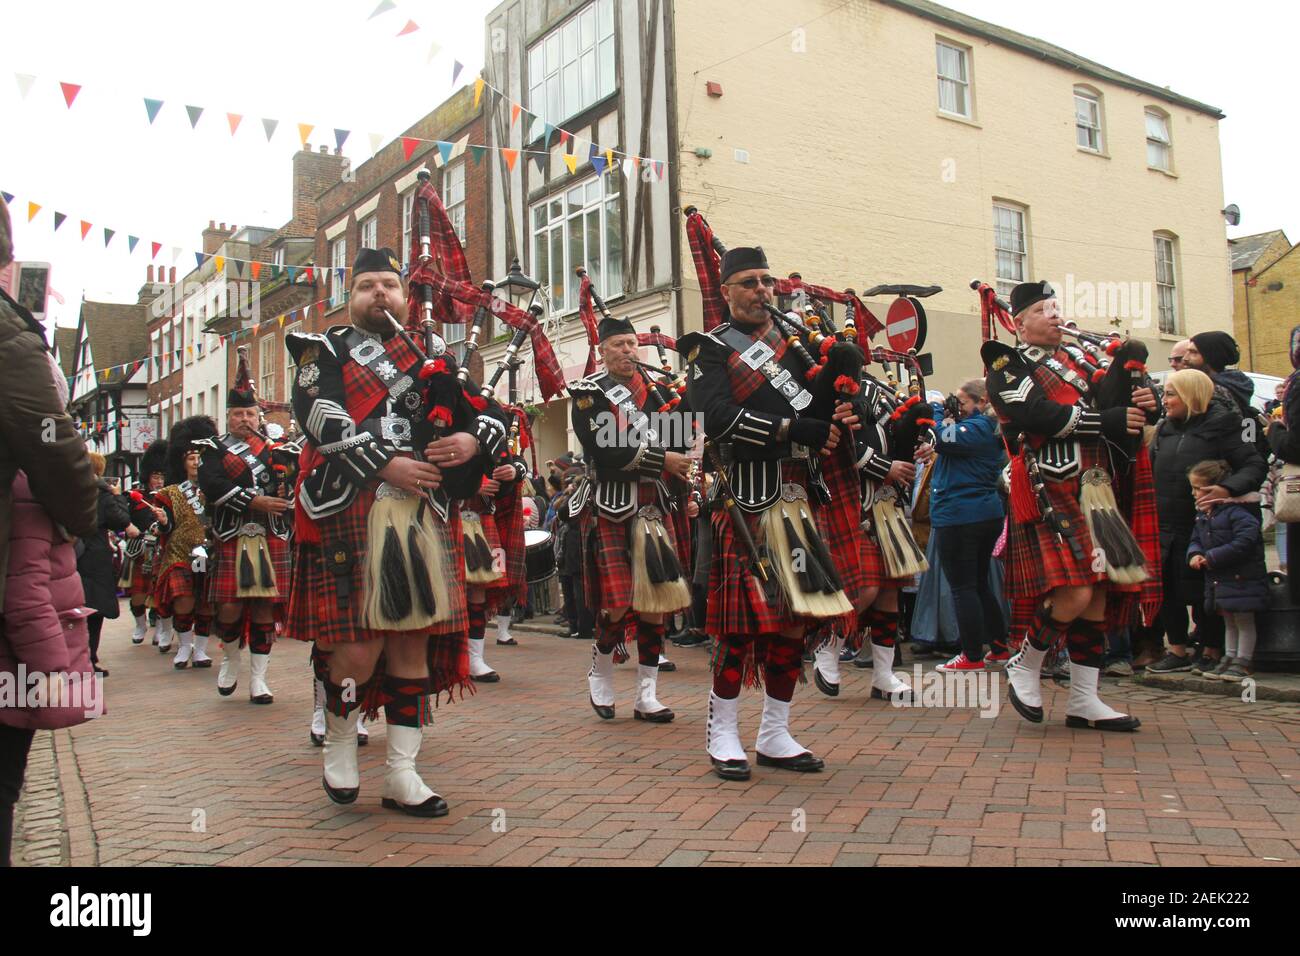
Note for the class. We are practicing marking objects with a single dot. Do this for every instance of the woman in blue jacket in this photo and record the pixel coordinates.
(967, 510)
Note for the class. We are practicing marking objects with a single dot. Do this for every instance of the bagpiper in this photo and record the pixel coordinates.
(138, 567)
(380, 580)
(632, 572)
(1083, 531)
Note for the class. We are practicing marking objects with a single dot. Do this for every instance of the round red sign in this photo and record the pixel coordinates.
(905, 325)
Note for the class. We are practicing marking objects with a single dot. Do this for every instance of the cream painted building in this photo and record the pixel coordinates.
(893, 141)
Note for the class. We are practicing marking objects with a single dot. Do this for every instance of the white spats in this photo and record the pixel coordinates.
(600, 678)
(165, 634)
(503, 629)
(774, 738)
(883, 677)
(257, 688)
(140, 629)
(185, 652)
(477, 666)
(827, 660)
(1025, 674)
(200, 650)
(1084, 701)
(646, 685)
(228, 673)
(723, 738)
(318, 708)
(341, 771)
(402, 783)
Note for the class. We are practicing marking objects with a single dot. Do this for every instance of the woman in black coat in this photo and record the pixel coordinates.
(95, 560)
(1284, 440)
(1193, 430)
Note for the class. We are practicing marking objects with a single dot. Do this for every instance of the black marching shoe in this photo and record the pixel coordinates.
(343, 795)
(602, 711)
(1124, 724)
(664, 716)
(489, 678)
(825, 686)
(731, 769)
(801, 763)
(435, 806)
(317, 740)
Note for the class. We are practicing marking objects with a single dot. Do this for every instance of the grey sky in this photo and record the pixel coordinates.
(323, 63)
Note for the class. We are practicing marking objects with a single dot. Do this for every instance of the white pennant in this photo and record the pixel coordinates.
(25, 81)
(434, 50)
(629, 168)
(176, 253)
(458, 149)
(376, 140)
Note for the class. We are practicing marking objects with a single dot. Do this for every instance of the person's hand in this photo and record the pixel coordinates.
(271, 506)
(810, 432)
(692, 509)
(490, 486)
(844, 414)
(161, 515)
(115, 487)
(1145, 399)
(1211, 493)
(832, 440)
(132, 531)
(411, 475)
(1136, 420)
(452, 450)
(901, 471)
(677, 465)
(503, 473)
(924, 452)
(1198, 562)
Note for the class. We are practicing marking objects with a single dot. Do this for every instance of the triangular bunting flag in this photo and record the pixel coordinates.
(514, 113)
(547, 130)
(511, 157)
(256, 269)
(458, 149)
(571, 161)
(597, 161)
(239, 268)
(8, 197)
(478, 90)
(154, 247)
(304, 130)
(341, 137)
(234, 119)
(293, 273)
(434, 50)
(408, 145)
(199, 259)
(477, 152)
(376, 140)
(457, 66)
(445, 149)
(540, 160)
(609, 157)
(70, 91)
(25, 81)
(269, 125)
(310, 275)
(275, 271)
(411, 27)
(659, 169)
(339, 273)
(32, 210)
(220, 263)
(85, 228)
(176, 253)
(565, 136)
(131, 243)
(152, 107)
(195, 112)
(108, 234)
(384, 7)
(281, 321)
(58, 220)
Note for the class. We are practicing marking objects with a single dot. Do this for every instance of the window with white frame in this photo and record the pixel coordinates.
(453, 197)
(408, 217)
(572, 67)
(582, 226)
(1159, 143)
(288, 361)
(1087, 119)
(155, 367)
(278, 258)
(954, 78)
(1166, 285)
(369, 232)
(1009, 246)
(266, 367)
(338, 260)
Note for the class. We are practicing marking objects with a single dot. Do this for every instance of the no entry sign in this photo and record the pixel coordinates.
(905, 325)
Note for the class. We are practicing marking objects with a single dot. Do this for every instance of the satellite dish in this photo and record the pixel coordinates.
(1233, 215)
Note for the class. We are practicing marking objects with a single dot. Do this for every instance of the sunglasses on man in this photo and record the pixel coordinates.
(750, 284)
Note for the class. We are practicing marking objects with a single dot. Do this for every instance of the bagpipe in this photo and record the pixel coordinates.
(1115, 367)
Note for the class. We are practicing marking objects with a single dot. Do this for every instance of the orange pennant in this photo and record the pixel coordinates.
(514, 113)
(234, 120)
(85, 228)
(32, 210)
(478, 91)
(220, 263)
(512, 157)
(257, 270)
(304, 130)
(411, 27)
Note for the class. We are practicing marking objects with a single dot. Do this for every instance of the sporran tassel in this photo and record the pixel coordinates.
(420, 572)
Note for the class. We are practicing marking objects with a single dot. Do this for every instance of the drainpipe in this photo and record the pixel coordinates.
(1250, 327)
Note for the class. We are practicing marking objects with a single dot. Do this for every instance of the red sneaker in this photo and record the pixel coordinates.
(960, 665)
(995, 659)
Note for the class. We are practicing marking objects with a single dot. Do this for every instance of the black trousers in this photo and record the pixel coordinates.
(965, 551)
(1178, 593)
(14, 746)
(580, 617)
(94, 624)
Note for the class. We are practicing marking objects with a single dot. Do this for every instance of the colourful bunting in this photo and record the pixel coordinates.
(199, 259)
(384, 7)
(25, 81)
(304, 130)
(444, 148)
(58, 220)
(85, 228)
(155, 246)
(70, 91)
(269, 125)
(341, 137)
(131, 242)
(571, 161)
(220, 263)
(411, 27)
(511, 157)
(376, 141)
(434, 50)
(457, 66)
(234, 119)
(32, 210)
(256, 270)
(152, 107)
(477, 152)
(408, 146)
(195, 112)
(108, 234)
(597, 161)
(514, 113)
(478, 90)
(8, 197)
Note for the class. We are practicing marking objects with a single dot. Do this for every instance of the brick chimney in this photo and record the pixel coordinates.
(214, 236)
(152, 288)
(313, 173)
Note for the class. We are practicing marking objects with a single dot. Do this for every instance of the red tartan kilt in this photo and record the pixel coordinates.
(1039, 561)
(874, 569)
(840, 526)
(223, 580)
(141, 583)
(607, 551)
(314, 613)
(175, 582)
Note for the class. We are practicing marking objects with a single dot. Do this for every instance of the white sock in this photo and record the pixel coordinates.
(1245, 636)
(1230, 634)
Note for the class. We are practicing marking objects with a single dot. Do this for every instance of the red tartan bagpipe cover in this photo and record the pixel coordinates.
(455, 297)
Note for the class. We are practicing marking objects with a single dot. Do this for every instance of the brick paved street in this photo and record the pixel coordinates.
(176, 774)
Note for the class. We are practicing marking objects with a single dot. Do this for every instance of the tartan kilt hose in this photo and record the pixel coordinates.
(223, 580)
(170, 584)
(607, 553)
(315, 613)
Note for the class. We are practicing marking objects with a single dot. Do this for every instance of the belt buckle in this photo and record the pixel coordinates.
(395, 428)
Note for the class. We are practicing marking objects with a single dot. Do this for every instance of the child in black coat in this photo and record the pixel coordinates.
(1228, 548)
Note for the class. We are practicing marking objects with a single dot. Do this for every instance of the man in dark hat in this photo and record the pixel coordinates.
(1071, 570)
(748, 384)
(380, 562)
(1212, 353)
(632, 570)
(182, 547)
(141, 554)
(249, 581)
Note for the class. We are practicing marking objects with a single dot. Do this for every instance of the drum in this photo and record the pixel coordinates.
(539, 556)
